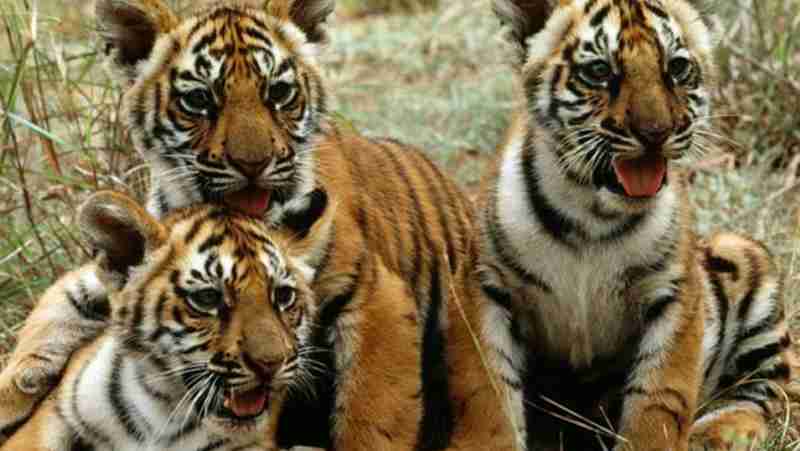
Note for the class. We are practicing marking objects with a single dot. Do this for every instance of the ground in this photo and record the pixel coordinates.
(437, 80)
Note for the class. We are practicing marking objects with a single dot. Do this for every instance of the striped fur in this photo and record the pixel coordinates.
(605, 305)
(240, 143)
(216, 308)
(406, 371)
(393, 272)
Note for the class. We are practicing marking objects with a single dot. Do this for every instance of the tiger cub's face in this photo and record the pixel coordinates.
(222, 104)
(214, 301)
(620, 86)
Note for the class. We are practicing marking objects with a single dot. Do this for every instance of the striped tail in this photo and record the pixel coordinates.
(748, 356)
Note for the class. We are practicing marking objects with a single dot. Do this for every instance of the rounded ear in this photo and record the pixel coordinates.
(524, 18)
(130, 28)
(120, 232)
(308, 15)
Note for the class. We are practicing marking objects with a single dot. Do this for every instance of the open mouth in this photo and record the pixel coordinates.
(639, 178)
(242, 406)
(252, 201)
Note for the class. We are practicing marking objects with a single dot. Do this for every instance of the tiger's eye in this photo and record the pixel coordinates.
(280, 92)
(679, 68)
(205, 301)
(284, 297)
(197, 100)
(596, 72)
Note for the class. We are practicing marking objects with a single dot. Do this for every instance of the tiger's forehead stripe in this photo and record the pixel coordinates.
(239, 244)
(591, 29)
(236, 40)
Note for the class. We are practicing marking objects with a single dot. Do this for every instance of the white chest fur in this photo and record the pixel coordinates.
(587, 310)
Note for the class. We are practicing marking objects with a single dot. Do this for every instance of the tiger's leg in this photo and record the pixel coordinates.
(70, 312)
(377, 351)
(45, 431)
(661, 393)
(747, 350)
(486, 367)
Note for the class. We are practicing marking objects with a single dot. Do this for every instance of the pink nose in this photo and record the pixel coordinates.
(251, 169)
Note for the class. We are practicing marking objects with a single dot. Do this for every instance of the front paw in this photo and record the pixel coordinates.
(36, 379)
(22, 385)
(728, 438)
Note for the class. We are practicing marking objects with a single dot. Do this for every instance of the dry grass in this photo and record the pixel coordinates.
(436, 80)
(359, 8)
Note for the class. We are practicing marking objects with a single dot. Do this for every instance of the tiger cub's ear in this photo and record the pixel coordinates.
(120, 233)
(130, 28)
(308, 15)
(524, 18)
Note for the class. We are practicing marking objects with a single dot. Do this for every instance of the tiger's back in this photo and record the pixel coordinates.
(403, 229)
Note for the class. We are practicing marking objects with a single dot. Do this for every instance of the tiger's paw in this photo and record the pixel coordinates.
(734, 430)
(22, 385)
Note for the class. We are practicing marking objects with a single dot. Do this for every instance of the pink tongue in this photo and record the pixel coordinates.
(252, 201)
(247, 404)
(642, 177)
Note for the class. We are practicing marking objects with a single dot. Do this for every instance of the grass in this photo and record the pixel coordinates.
(436, 80)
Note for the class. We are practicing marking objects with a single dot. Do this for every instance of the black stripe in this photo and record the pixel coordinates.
(212, 241)
(721, 265)
(301, 222)
(723, 304)
(213, 445)
(502, 246)
(754, 282)
(305, 421)
(92, 309)
(442, 206)
(85, 428)
(126, 413)
(656, 311)
(9, 429)
(630, 226)
(416, 219)
(753, 360)
(190, 236)
(500, 297)
(600, 16)
(436, 427)
(558, 226)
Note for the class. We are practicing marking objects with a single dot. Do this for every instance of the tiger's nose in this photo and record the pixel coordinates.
(224, 363)
(249, 168)
(652, 136)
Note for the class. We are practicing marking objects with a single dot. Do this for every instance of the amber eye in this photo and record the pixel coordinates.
(596, 72)
(197, 101)
(284, 297)
(281, 93)
(679, 68)
(206, 301)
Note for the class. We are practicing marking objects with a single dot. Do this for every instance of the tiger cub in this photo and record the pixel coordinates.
(211, 316)
(612, 325)
(227, 105)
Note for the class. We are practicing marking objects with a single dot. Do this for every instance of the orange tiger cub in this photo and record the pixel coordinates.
(227, 105)
(616, 327)
(210, 325)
